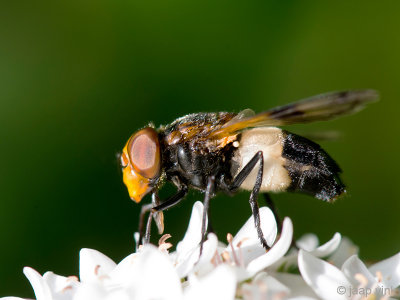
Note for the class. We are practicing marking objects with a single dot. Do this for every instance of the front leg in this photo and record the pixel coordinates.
(153, 208)
(158, 217)
(240, 178)
(173, 200)
(144, 209)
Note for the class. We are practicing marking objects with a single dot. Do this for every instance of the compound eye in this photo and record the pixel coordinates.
(144, 152)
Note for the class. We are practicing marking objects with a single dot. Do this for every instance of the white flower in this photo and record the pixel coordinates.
(219, 284)
(146, 275)
(50, 286)
(244, 251)
(187, 257)
(346, 249)
(310, 243)
(264, 286)
(277, 251)
(324, 278)
(354, 281)
(381, 278)
(298, 287)
(243, 269)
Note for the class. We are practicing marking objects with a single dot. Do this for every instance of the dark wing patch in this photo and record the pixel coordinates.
(318, 108)
(311, 169)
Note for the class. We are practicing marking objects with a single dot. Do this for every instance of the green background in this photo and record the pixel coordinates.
(78, 77)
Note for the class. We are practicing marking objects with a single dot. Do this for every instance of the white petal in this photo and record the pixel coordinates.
(308, 242)
(40, 287)
(12, 298)
(192, 263)
(326, 280)
(91, 291)
(264, 286)
(126, 265)
(250, 246)
(286, 263)
(122, 272)
(219, 284)
(346, 249)
(61, 287)
(192, 236)
(354, 266)
(152, 277)
(93, 264)
(271, 282)
(390, 269)
(248, 233)
(329, 247)
(298, 287)
(119, 294)
(276, 252)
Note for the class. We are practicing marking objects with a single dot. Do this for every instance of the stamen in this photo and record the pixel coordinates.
(242, 241)
(379, 276)
(361, 279)
(263, 289)
(226, 257)
(241, 251)
(214, 259)
(96, 270)
(279, 296)
(162, 245)
(229, 237)
(68, 287)
(163, 239)
(165, 247)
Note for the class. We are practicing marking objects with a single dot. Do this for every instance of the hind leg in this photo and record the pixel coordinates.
(238, 180)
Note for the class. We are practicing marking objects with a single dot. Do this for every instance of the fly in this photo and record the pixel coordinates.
(225, 152)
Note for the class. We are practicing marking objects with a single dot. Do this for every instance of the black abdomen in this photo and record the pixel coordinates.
(311, 169)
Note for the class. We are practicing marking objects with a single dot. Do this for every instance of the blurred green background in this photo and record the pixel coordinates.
(78, 77)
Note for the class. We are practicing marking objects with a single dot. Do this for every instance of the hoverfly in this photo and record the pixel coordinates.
(225, 152)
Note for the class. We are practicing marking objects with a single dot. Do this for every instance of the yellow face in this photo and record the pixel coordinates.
(141, 162)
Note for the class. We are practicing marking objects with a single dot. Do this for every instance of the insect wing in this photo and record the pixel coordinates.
(318, 108)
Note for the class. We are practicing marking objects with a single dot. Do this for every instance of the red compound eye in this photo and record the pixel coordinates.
(144, 152)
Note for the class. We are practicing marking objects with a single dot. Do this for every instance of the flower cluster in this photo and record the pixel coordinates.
(242, 269)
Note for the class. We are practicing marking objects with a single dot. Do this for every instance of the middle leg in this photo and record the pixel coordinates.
(240, 178)
(206, 204)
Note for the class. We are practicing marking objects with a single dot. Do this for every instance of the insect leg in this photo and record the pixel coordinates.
(171, 201)
(146, 238)
(253, 199)
(206, 203)
(238, 180)
(143, 211)
(158, 217)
